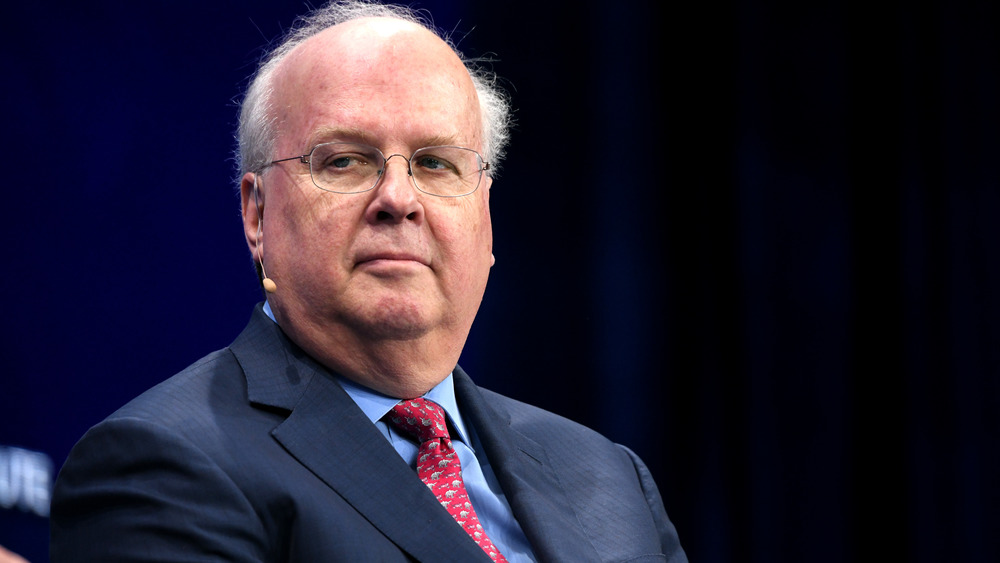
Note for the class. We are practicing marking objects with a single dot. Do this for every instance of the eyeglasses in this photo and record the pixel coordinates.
(350, 168)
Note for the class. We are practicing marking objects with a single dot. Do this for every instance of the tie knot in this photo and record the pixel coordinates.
(421, 418)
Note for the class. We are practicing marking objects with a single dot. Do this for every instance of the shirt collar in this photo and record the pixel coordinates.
(375, 405)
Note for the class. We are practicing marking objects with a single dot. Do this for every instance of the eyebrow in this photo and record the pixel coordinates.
(353, 135)
(331, 134)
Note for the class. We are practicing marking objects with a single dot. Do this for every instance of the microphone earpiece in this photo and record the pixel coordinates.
(268, 283)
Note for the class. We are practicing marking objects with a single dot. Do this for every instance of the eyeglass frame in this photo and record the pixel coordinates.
(306, 159)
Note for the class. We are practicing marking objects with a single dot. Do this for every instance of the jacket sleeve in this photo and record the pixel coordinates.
(134, 491)
(668, 534)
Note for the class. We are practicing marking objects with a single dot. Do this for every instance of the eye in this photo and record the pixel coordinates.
(344, 160)
(434, 163)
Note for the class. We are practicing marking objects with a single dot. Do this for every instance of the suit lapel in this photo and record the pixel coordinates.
(332, 437)
(536, 497)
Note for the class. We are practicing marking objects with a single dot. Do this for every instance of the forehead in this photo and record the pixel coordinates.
(389, 80)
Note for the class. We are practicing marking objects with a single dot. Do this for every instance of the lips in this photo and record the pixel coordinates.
(389, 256)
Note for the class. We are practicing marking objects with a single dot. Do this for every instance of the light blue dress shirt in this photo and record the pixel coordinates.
(480, 482)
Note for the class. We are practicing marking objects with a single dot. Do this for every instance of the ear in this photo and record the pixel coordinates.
(252, 205)
(488, 185)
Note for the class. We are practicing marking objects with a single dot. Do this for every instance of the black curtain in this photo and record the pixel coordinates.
(761, 246)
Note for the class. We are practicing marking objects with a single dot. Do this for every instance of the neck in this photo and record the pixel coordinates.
(401, 368)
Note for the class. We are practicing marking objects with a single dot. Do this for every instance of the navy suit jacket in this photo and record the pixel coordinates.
(255, 453)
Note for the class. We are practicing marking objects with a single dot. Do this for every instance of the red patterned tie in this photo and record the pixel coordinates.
(438, 465)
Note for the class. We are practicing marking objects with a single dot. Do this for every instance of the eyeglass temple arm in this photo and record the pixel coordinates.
(304, 159)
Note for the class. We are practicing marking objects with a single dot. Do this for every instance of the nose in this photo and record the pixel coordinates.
(395, 197)
(409, 172)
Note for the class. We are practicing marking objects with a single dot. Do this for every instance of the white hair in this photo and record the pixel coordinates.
(257, 130)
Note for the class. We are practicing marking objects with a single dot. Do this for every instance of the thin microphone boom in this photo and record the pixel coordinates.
(268, 283)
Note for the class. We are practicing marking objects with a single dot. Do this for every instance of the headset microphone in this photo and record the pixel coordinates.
(268, 283)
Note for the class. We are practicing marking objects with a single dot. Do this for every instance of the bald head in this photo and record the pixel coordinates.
(365, 76)
(257, 128)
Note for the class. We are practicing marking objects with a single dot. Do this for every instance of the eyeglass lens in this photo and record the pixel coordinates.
(352, 168)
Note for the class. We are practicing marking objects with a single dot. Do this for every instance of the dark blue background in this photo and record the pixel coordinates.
(758, 242)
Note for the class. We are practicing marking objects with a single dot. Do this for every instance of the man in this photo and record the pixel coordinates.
(366, 148)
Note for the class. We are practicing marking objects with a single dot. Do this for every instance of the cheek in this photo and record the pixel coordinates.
(470, 232)
(311, 230)
(293, 223)
(476, 235)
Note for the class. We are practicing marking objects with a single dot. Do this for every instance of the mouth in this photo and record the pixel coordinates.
(390, 256)
(390, 260)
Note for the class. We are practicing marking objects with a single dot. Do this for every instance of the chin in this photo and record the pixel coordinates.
(393, 330)
(395, 320)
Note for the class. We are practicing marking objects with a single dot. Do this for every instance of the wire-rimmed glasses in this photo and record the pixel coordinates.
(351, 168)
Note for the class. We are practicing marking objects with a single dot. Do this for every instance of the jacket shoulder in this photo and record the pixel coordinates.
(191, 394)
